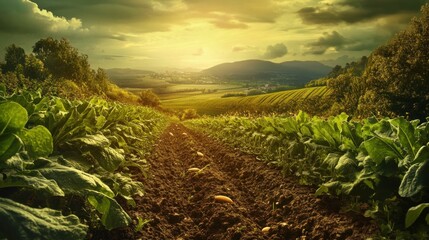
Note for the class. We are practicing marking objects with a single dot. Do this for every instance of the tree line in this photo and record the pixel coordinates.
(52, 62)
(392, 81)
(57, 68)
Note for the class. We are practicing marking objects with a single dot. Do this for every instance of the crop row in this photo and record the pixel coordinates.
(75, 157)
(382, 164)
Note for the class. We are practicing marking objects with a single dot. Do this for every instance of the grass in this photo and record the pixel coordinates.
(213, 104)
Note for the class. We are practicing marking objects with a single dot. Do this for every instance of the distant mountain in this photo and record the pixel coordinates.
(290, 72)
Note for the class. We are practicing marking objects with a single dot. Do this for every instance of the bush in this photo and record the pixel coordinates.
(189, 114)
(148, 98)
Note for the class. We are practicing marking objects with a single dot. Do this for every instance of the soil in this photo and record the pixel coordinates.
(181, 204)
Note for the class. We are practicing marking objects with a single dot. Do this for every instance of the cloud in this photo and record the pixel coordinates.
(227, 21)
(275, 51)
(244, 10)
(352, 11)
(328, 40)
(26, 17)
(162, 15)
(363, 41)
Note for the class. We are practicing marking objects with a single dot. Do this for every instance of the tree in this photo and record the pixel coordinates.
(398, 72)
(62, 60)
(34, 68)
(101, 80)
(14, 57)
(148, 98)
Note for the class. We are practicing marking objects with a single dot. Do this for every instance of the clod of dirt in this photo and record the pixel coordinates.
(266, 229)
(194, 169)
(223, 199)
(200, 154)
(175, 218)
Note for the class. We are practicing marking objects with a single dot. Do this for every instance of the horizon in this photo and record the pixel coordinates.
(192, 70)
(184, 34)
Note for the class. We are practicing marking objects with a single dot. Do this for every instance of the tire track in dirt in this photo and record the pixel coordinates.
(181, 205)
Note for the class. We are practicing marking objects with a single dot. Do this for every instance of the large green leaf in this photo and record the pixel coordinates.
(68, 127)
(415, 180)
(37, 141)
(71, 180)
(379, 148)
(351, 135)
(113, 216)
(422, 155)
(34, 180)
(413, 213)
(13, 117)
(98, 147)
(13, 163)
(19, 221)
(346, 165)
(97, 140)
(9, 146)
(108, 158)
(406, 135)
(332, 160)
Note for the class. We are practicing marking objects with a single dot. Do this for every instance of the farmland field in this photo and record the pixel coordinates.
(194, 122)
(213, 104)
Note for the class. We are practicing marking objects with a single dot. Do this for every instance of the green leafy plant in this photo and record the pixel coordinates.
(52, 147)
(383, 163)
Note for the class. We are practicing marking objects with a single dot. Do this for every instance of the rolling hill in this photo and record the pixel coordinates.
(290, 72)
(213, 104)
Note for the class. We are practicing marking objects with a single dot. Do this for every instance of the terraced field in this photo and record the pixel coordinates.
(213, 104)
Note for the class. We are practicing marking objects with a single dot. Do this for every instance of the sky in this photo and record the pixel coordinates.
(198, 34)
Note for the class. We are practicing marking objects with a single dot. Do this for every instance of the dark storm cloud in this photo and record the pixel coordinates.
(352, 11)
(365, 42)
(275, 51)
(129, 15)
(24, 17)
(328, 40)
(161, 15)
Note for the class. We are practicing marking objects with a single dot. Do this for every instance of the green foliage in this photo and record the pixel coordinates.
(148, 98)
(398, 72)
(13, 117)
(61, 59)
(22, 222)
(353, 69)
(113, 216)
(34, 68)
(14, 57)
(189, 114)
(96, 140)
(394, 79)
(37, 141)
(57, 68)
(414, 212)
(383, 163)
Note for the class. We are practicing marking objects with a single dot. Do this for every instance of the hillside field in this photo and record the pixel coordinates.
(213, 104)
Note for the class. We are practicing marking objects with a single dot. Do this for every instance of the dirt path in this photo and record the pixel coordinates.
(181, 204)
